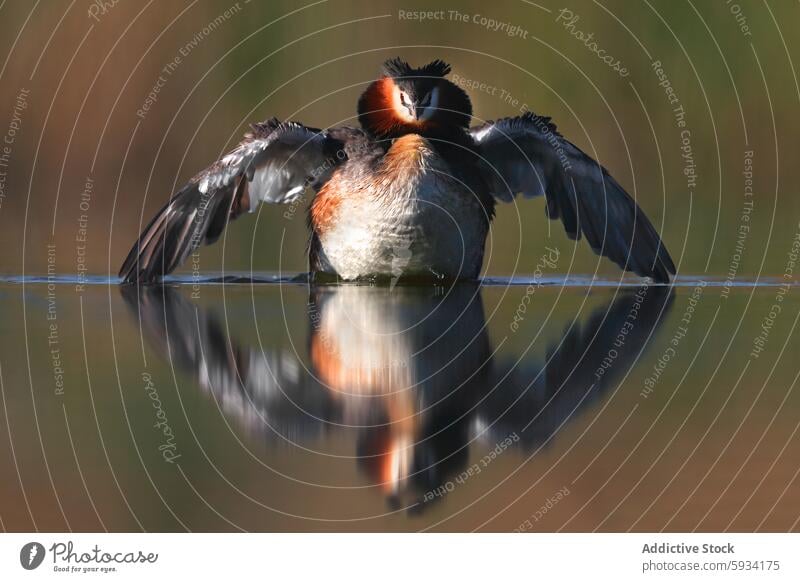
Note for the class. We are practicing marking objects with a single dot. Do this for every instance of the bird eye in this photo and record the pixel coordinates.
(404, 99)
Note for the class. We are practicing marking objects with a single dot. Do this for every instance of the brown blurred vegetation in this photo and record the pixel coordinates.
(93, 76)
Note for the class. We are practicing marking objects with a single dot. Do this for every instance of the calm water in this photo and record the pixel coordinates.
(275, 406)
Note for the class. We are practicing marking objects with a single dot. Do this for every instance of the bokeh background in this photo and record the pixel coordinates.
(89, 69)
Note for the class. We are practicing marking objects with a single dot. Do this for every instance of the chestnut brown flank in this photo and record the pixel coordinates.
(326, 204)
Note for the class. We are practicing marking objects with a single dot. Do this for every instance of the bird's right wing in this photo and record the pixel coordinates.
(274, 163)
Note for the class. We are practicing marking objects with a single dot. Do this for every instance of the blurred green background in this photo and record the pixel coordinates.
(88, 70)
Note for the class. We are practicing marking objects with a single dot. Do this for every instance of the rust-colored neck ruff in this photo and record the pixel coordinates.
(377, 113)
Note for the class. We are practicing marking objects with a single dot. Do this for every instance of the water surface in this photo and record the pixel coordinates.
(266, 404)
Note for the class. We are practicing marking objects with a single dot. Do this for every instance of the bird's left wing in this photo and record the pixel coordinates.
(527, 154)
(274, 163)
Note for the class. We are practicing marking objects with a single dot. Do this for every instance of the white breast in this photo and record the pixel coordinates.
(417, 220)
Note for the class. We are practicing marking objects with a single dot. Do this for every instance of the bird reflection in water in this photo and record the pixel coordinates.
(409, 372)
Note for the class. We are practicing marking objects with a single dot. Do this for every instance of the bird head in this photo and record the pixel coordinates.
(413, 100)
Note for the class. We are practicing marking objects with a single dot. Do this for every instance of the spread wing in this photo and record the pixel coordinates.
(274, 163)
(527, 154)
(581, 368)
(265, 390)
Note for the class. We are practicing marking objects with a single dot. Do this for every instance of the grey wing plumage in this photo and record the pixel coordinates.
(527, 154)
(274, 163)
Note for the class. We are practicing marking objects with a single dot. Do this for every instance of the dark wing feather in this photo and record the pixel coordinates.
(527, 154)
(274, 163)
(263, 389)
(535, 400)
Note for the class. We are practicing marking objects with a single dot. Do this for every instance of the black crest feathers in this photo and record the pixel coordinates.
(397, 68)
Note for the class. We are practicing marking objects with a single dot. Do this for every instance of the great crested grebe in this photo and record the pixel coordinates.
(411, 193)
